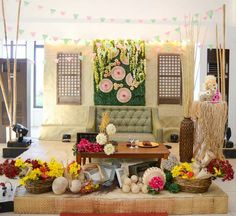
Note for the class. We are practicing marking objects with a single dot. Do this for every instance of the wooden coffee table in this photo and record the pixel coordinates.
(125, 152)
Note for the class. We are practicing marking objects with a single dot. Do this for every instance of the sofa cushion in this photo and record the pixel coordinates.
(127, 119)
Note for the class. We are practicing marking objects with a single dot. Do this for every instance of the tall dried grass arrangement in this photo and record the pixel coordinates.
(105, 121)
(210, 128)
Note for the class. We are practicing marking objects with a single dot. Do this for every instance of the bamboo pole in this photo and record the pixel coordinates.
(4, 94)
(15, 67)
(221, 68)
(217, 58)
(223, 60)
(9, 95)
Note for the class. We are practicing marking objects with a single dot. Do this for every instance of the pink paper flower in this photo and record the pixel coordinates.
(156, 183)
(85, 146)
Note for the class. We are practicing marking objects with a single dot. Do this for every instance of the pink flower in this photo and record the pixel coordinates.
(156, 183)
(85, 146)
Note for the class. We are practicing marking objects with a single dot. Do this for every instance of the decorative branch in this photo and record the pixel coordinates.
(15, 67)
(9, 95)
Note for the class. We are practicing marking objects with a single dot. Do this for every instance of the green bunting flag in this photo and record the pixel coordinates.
(157, 38)
(102, 19)
(44, 36)
(210, 14)
(52, 11)
(66, 40)
(26, 3)
(21, 31)
(75, 16)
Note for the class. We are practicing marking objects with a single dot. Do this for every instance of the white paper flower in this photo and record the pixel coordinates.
(101, 138)
(111, 129)
(109, 149)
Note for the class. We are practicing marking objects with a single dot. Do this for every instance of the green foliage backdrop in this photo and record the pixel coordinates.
(119, 72)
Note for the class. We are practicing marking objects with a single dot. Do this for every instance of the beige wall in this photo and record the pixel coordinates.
(58, 117)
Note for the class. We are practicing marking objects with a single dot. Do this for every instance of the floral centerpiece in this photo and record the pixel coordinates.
(196, 177)
(39, 174)
(106, 130)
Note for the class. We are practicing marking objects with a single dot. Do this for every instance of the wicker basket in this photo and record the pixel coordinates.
(39, 186)
(193, 185)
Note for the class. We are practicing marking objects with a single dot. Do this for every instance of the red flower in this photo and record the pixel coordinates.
(227, 172)
(9, 169)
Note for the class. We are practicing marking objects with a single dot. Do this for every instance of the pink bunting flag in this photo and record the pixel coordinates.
(55, 38)
(164, 19)
(77, 40)
(167, 33)
(40, 7)
(63, 13)
(140, 20)
(89, 18)
(112, 20)
(33, 34)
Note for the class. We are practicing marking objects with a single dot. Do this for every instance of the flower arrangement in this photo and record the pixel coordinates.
(39, 170)
(9, 169)
(184, 170)
(156, 184)
(106, 129)
(85, 146)
(89, 187)
(109, 149)
(74, 169)
(221, 168)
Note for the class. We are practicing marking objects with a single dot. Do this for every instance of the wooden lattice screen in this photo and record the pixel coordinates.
(169, 79)
(68, 78)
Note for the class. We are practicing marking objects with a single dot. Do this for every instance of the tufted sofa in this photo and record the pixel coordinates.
(132, 122)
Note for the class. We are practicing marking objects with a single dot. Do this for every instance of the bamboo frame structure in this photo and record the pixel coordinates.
(217, 58)
(10, 97)
(223, 59)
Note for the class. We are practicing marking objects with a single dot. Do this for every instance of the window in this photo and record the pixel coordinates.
(68, 78)
(169, 79)
(38, 74)
(11, 46)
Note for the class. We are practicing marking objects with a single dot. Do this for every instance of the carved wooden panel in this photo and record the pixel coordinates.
(68, 78)
(169, 79)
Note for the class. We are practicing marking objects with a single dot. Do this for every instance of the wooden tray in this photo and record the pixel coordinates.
(154, 145)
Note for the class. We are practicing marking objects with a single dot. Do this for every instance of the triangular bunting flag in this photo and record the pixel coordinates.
(44, 36)
(66, 40)
(75, 16)
(210, 14)
(52, 11)
(157, 38)
(21, 31)
(102, 19)
(26, 3)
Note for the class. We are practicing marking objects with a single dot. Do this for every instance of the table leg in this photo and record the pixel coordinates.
(84, 160)
(78, 158)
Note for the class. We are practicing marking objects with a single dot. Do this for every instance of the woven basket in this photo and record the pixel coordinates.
(39, 186)
(193, 185)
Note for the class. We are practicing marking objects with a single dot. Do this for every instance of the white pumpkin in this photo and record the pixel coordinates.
(140, 185)
(135, 189)
(126, 188)
(75, 186)
(127, 181)
(144, 189)
(134, 178)
(59, 185)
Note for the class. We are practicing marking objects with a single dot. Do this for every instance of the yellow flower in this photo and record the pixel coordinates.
(74, 169)
(20, 163)
(55, 169)
(217, 172)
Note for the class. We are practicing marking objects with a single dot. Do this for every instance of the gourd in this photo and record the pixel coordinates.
(59, 185)
(75, 186)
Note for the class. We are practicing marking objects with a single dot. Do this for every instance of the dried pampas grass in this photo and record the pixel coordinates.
(210, 119)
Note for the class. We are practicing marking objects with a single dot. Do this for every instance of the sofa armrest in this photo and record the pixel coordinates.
(90, 126)
(156, 126)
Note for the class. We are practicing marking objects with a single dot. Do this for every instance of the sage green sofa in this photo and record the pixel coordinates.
(132, 122)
